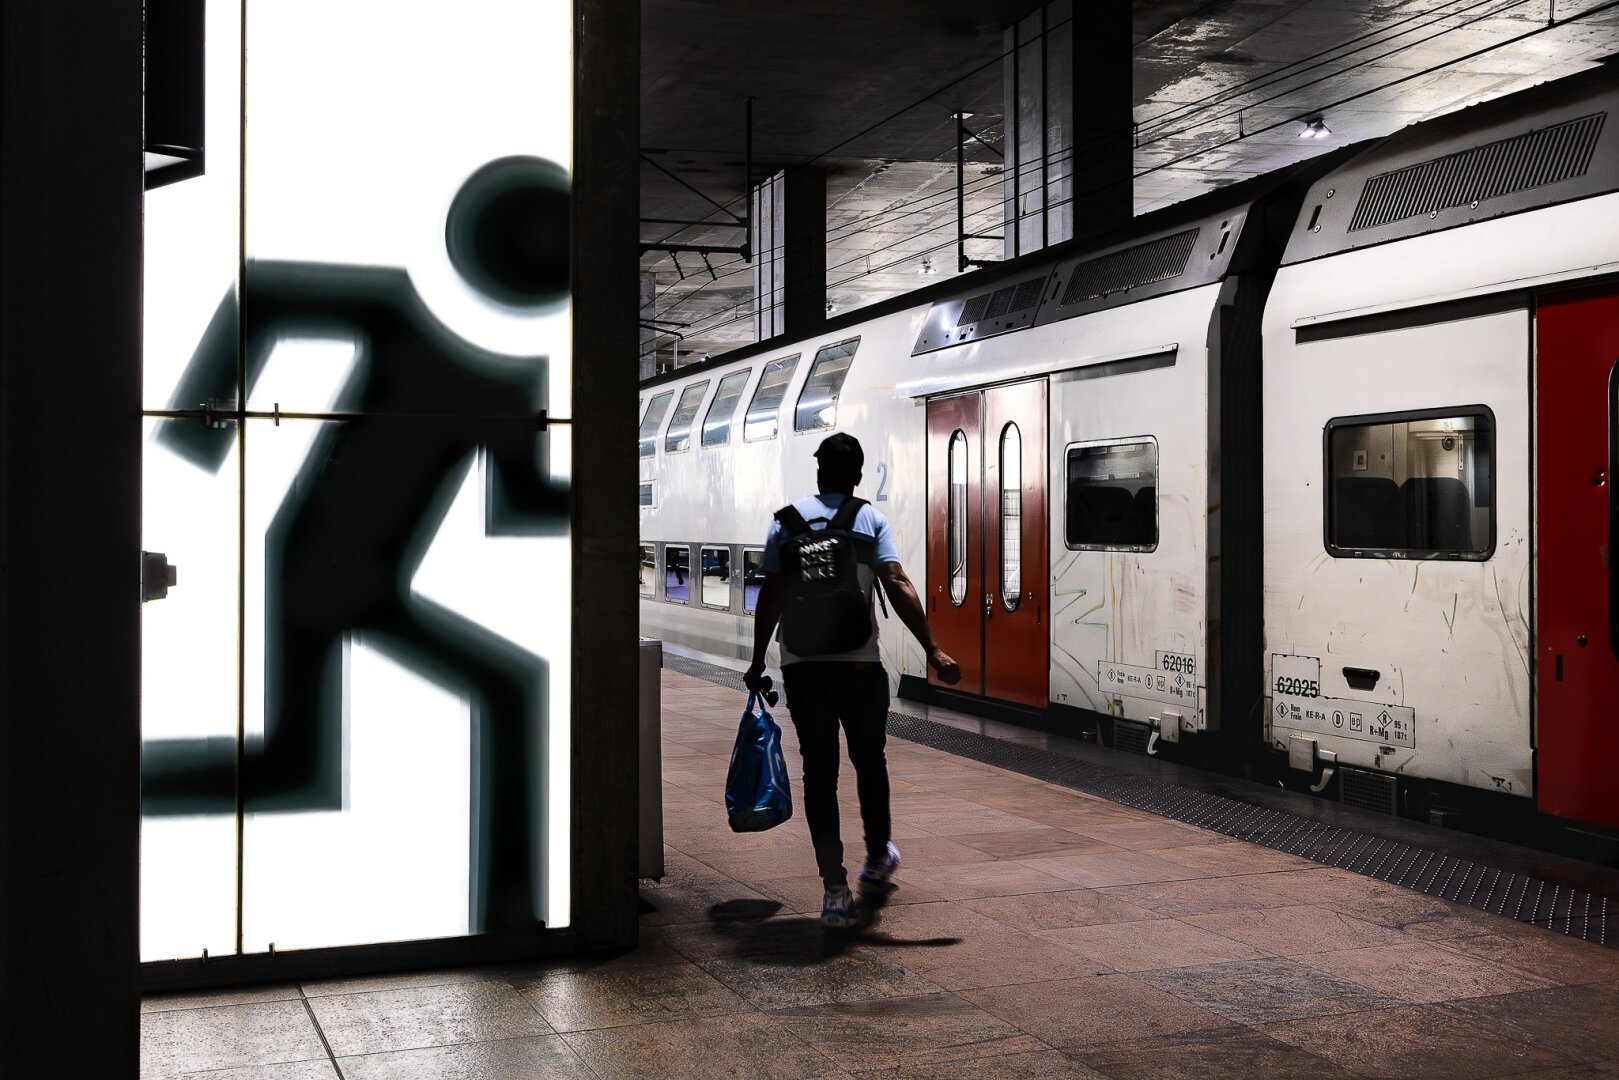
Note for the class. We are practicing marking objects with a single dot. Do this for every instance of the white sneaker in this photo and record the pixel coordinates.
(838, 909)
(877, 879)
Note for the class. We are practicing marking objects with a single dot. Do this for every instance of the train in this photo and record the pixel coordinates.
(1309, 478)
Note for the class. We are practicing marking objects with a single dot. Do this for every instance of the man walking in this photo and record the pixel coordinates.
(821, 562)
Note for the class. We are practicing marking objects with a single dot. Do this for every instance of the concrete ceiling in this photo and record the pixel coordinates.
(866, 92)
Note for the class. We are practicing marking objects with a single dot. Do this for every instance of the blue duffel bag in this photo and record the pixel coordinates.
(757, 794)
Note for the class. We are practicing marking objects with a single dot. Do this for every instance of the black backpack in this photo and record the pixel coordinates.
(824, 609)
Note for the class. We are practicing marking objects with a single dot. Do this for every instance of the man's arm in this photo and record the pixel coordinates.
(766, 614)
(908, 606)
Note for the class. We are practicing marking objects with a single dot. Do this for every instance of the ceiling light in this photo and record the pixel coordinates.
(926, 267)
(1315, 128)
(830, 307)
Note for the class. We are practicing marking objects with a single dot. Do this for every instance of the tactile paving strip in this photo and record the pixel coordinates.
(1527, 899)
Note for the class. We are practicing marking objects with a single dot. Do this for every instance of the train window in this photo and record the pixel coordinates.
(717, 424)
(1112, 495)
(818, 401)
(646, 493)
(764, 412)
(651, 422)
(753, 576)
(956, 517)
(649, 569)
(677, 573)
(678, 437)
(1411, 485)
(717, 577)
(1011, 516)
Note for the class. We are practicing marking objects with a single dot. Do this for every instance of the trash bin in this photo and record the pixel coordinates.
(651, 855)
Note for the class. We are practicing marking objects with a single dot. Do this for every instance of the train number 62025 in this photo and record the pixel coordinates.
(1297, 687)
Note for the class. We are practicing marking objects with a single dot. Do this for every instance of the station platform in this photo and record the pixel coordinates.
(1064, 911)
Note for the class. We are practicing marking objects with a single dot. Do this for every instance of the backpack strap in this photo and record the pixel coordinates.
(792, 522)
(847, 512)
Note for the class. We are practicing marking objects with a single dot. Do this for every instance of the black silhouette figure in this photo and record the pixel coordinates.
(345, 544)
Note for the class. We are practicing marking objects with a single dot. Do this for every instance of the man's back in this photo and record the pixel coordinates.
(874, 540)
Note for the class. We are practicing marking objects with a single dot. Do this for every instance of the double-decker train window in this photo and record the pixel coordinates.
(677, 573)
(753, 576)
(651, 422)
(717, 577)
(646, 493)
(1111, 495)
(818, 401)
(1411, 485)
(649, 569)
(678, 437)
(717, 423)
(764, 411)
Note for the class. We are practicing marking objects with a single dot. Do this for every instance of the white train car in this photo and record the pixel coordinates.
(1440, 349)
(1067, 449)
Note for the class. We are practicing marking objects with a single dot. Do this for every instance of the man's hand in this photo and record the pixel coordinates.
(941, 662)
(754, 677)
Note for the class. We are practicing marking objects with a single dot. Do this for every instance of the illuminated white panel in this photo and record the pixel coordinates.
(368, 119)
(189, 641)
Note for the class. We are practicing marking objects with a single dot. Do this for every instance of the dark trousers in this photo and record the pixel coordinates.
(820, 694)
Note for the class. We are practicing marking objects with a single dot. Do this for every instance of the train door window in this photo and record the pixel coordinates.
(956, 517)
(1111, 495)
(1011, 516)
(649, 569)
(1415, 484)
(764, 412)
(678, 437)
(717, 423)
(677, 573)
(652, 421)
(753, 577)
(717, 577)
(818, 401)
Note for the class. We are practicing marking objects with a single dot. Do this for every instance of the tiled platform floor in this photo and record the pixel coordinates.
(1038, 933)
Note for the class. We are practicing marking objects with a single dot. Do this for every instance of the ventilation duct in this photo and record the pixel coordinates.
(1143, 264)
(1533, 159)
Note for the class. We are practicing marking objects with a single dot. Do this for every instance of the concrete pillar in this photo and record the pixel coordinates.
(606, 723)
(1069, 143)
(70, 533)
(789, 261)
(649, 336)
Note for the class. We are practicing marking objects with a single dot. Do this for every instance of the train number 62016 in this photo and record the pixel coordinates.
(1176, 662)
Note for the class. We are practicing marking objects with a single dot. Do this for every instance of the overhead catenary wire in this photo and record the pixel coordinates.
(923, 203)
(1434, 15)
(984, 181)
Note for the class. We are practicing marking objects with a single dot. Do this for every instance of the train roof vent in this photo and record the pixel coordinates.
(1533, 159)
(985, 314)
(1004, 301)
(1143, 264)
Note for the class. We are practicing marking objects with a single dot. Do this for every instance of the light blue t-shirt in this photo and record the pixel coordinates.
(817, 511)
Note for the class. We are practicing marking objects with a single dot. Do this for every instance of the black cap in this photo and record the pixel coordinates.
(841, 453)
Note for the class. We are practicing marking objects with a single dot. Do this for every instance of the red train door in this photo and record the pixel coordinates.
(988, 567)
(1017, 639)
(1576, 615)
(955, 534)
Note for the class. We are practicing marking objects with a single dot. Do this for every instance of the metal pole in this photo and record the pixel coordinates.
(1014, 139)
(1045, 134)
(961, 195)
(747, 168)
